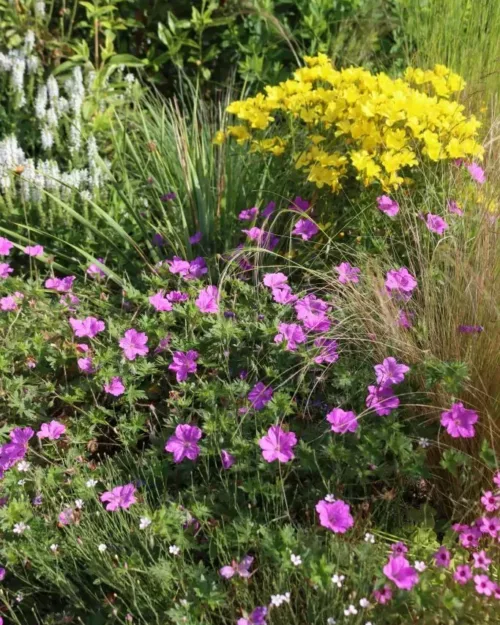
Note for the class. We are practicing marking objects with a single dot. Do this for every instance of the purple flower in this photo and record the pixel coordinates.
(399, 571)
(183, 364)
(328, 351)
(390, 372)
(157, 240)
(292, 333)
(168, 197)
(382, 400)
(257, 617)
(306, 229)
(399, 549)
(3, 572)
(462, 574)
(240, 569)
(384, 595)
(442, 557)
(400, 282)
(177, 265)
(9, 303)
(227, 459)
(177, 296)
(197, 268)
(268, 210)
(476, 172)
(5, 246)
(436, 224)
(490, 501)
(21, 436)
(61, 285)
(260, 395)
(463, 329)
(453, 207)
(114, 387)
(405, 319)
(95, 270)
(481, 560)
(90, 326)
(5, 270)
(162, 345)
(335, 516)
(283, 295)
(85, 365)
(206, 301)
(275, 280)
(160, 303)
(312, 312)
(53, 430)
(459, 421)
(263, 238)
(387, 205)
(134, 344)
(195, 238)
(184, 443)
(484, 585)
(342, 421)
(249, 214)
(119, 497)
(347, 273)
(278, 445)
(33, 250)
(300, 205)
(67, 516)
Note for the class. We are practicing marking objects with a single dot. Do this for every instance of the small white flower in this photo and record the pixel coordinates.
(90, 483)
(144, 522)
(79, 503)
(102, 547)
(130, 78)
(330, 498)
(23, 466)
(338, 580)
(21, 482)
(330, 621)
(277, 600)
(369, 538)
(19, 597)
(296, 560)
(184, 603)
(364, 603)
(420, 566)
(350, 610)
(424, 442)
(20, 528)
(174, 550)
(368, 623)
(54, 547)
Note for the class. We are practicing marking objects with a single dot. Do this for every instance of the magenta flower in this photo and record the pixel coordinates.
(490, 501)
(119, 497)
(384, 595)
(300, 205)
(21, 436)
(249, 214)
(399, 571)
(114, 387)
(227, 459)
(197, 268)
(207, 300)
(496, 479)
(95, 270)
(283, 295)
(347, 273)
(399, 549)
(268, 210)
(53, 430)
(34, 250)
(86, 365)
(61, 285)
(484, 585)
(262, 238)
(160, 303)
(335, 516)
(387, 205)
(390, 372)
(462, 574)
(469, 538)
(183, 364)
(405, 319)
(275, 280)
(436, 224)
(9, 303)
(241, 569)
(382, 400)
(453, 207)
(400, 282)
(134, 344)
(5, 270)
(459, 421)
(90, 326)
(442, 557)
(328, 351)
(177, 265)
(342, 421)
(278, 445)
(184, 443)
(3, 573)
(306, 229)
(476, 172)
(481, 560)
(260, 395)
(257, 617)
(177, 296)
(292, 333)
(5, 246)
(312, 312)
(490, 525)
(195, 238)
(67, 516)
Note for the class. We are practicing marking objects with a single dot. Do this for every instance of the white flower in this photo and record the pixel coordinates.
(20, 528)
(174, 550)
(47, 138)
(40, 8)
(338, 580)
(420, 566)
(19, 597)
(144, 522)
(79, 503)
(54, 547)
(90, 483)
(21, 482)
(330, 498)
(277, 600)
(296, 560)
(130, 78)
(102, 547)
(424, 442)
(350, 610)
(364, 603)
(369, 538)
(330, 621)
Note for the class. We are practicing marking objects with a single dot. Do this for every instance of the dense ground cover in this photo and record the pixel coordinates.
(249, 356)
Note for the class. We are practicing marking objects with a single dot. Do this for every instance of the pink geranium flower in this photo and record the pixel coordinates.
(342, 421)
(484, 585)
(177, 296)
(481, 560)
(459, 421)
(86, 365)
(328, 351)
(382, 400)
(90, 326)
(383, 595)
(95, 270)
(227, 459)
(442, 557)
(268, 210)
(67, 516)
(283, 295)
(53, 430)
(306, 229)
(312, 312)
(183, 364)
(400, 282)
(436, 224)
(184, 443)
(278, 445)
(496, 479)
(119, 497)
(207, 301)
(387, 205)
(241, 569)
(33, 250)
(462, 574)
(5, 270)
(275, 280)
(490, 501)
(390, 372)
(260, 395)
(490, 525)
(292, 333)
(134, 344)
(9, 303)
(399, 571)
(335, 516)
(5, 246)
(453, 207)
(347, 273)
(114, 387)
(399, 549)
(257, 617)
(476, 172)
(300, 205)
(160, 302)
(248, 214)
(61, 285)
(195, 238)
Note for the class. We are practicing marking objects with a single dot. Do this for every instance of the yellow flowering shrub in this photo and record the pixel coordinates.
(337, 123)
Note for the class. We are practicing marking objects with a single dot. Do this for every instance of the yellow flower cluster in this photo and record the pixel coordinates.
(338, 123)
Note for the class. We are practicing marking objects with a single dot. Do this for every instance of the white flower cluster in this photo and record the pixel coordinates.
(17, 63)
